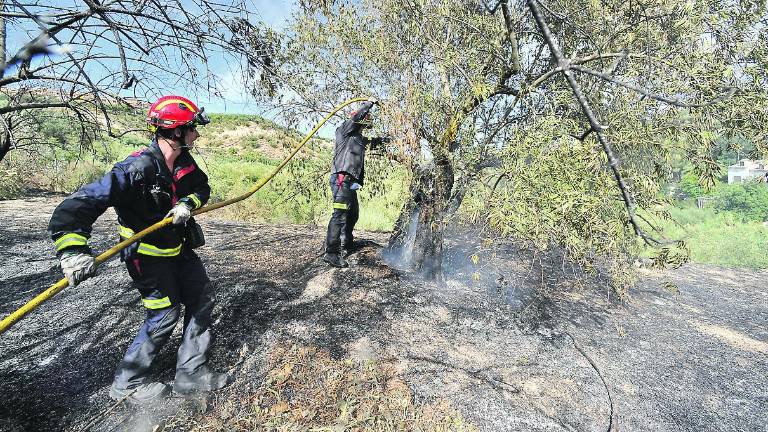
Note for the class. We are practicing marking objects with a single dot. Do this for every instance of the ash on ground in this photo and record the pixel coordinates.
(510, 345)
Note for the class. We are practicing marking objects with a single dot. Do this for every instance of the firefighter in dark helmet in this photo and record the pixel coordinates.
(347, 176)
(160, 181)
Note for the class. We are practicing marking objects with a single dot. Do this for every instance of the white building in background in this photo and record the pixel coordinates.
(747, 170)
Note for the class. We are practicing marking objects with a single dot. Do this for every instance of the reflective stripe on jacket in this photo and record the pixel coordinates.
(149, 249)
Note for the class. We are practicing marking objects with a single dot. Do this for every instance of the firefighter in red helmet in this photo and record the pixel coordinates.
(160, 181)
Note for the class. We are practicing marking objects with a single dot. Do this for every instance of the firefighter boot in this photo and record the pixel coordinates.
(131, 377)
(140, 394)
(335, 259)
(202, 380)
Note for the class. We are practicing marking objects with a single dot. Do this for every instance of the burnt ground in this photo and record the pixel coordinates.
(520, 348)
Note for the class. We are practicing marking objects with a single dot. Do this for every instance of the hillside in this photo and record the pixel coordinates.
(521, 349)
(235, 150)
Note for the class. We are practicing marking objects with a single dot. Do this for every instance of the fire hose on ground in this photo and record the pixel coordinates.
(11, 319)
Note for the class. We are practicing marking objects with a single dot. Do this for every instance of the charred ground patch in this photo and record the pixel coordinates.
(513, 349)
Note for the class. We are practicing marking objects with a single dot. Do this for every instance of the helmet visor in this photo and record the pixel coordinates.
(201, 118)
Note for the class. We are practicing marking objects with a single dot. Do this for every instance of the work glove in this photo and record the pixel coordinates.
(77, 266)
(355, 186)
(181, 213)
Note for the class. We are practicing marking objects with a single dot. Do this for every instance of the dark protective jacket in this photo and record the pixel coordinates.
(142, 190)
(349, 151)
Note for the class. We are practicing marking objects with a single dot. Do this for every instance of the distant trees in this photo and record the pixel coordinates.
(81, 57)
(574, 109)
(748, 200)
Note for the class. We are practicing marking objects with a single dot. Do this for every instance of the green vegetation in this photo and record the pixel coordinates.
(300, 193)
(729, 231)
(719, 237)
(236, 151)
(749, 201)
(484, 108)
(690, 186)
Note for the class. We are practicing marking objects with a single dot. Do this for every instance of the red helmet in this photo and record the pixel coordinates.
(366, 121)
(354, 113)
(170, 112)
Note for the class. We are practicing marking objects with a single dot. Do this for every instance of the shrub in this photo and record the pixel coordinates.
(77, 174)
(134, 141)
(747, 200)
(11, 182)
(689, 185)
(719, 238)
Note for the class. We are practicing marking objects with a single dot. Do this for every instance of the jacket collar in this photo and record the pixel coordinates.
(157, 154)
(154, 148)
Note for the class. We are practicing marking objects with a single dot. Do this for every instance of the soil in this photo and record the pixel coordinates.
(513, 346)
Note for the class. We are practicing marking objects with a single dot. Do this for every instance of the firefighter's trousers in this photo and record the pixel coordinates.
(346, 211)
(166, 283)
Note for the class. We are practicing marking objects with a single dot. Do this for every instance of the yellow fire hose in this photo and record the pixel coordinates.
(11, 319)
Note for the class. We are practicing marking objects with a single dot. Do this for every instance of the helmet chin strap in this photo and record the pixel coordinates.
(179, 146)
(184, 132)
(177, 142)
(180, 143)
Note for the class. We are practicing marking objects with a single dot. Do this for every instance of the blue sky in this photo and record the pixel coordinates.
(274, 13)
(235, 98)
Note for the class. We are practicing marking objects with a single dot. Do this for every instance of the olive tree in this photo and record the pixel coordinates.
(574, 110)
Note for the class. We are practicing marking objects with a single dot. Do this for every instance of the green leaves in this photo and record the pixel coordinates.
(748, 200)
(441, 69)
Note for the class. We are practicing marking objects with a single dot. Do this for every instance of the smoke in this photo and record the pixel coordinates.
(495, 271)
(500, 272)
(401, 256)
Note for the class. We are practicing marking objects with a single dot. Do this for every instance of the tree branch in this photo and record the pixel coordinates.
(36, 105)
(645, 92)
(511, 36)
(565, 66)
(100, 103)
(128, 79)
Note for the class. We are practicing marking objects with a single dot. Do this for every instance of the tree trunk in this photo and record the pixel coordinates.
(417, 241)
(3, 54)
(5, 144)
(5, 138)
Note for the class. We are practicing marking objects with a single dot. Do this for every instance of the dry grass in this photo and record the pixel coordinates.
(306, 390)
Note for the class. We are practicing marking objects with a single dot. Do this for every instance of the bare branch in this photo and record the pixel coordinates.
(655, 96)
(128, 79)
(38, 105)
(114, 45)
(565, 66)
